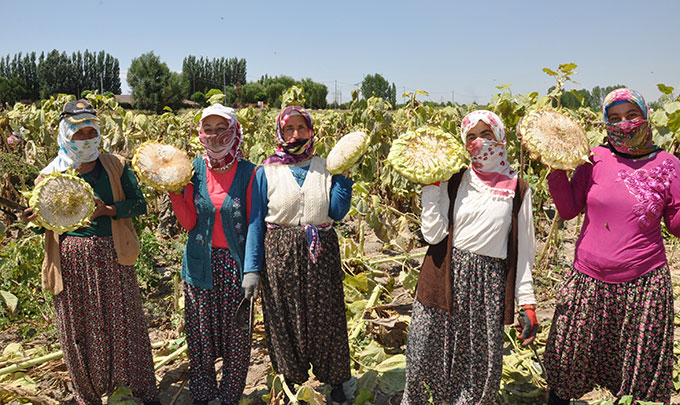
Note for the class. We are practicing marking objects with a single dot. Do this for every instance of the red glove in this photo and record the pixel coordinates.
(528, 325)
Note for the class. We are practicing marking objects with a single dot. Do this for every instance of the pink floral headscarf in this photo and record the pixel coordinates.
(490, 157)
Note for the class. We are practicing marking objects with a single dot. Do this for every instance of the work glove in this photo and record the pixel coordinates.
(528, 325)
(250, 284)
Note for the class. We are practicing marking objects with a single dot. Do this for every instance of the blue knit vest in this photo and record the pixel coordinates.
(196, 264)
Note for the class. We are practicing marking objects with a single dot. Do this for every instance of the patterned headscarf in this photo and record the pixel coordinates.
(293, 152)
(223, 147)
(73, 153)
(632, 137)
(490, 157)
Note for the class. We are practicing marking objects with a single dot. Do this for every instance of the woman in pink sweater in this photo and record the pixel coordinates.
(613, 324)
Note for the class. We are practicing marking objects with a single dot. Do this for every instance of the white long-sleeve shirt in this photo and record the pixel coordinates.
(482, 226)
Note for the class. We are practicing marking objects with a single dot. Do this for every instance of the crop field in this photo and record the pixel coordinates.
(380, 245)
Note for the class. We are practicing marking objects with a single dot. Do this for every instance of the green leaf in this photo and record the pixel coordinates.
(395, 362)
(578, 96)
(550, 72)
(660, 118)
(393, 381)
(422, 92)
(363, 396)
(672, 107)
(664, 89)
(122, 396)
(360, 281)
(409, 278)
(372, 354)
(10, 299)
(309, 395)
(568, 67)
(543, 101)
(367, 381)
(12, 350)
(504, 86)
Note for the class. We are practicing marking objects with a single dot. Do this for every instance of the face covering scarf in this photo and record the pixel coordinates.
(630, 137)
(223, 147)
(74, 153)
(289, 153)
(490, 157)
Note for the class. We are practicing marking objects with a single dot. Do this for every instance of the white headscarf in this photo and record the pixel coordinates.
(73, 153)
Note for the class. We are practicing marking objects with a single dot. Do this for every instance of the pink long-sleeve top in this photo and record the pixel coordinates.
(624, 201)
(218, 187)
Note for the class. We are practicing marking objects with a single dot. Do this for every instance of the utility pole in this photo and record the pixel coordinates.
(452, 98)
(101, 83)
(224, 85)
(336, 94)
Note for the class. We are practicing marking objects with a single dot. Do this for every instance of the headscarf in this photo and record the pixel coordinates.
(223, 147)
(490, 157)
(290, 153)
(631, 137)
(73, 153)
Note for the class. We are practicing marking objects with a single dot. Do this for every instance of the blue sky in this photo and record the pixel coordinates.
(466, 48)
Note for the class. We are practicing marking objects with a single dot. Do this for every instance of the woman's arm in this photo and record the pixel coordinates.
(255, 239)
(134, 203)
(341, 197)
(570, 196)
(434, 218)
(526, 253)
(183, 206)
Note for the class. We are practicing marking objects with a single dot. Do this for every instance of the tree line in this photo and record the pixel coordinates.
(31, 77)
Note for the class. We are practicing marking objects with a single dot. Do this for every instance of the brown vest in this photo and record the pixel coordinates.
(434, 283)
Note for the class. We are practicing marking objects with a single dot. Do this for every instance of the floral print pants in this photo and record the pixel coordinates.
(212, 333)
(100, 322)
(304, 307)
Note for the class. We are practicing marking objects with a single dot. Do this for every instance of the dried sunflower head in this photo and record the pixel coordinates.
(162, 167)
(346, 152)
(427, 155)
(63, 202)
(554, 138)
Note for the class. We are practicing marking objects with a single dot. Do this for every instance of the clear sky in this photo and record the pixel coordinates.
(448, 48)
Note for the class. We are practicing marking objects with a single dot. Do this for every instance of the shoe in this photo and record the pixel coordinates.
(338, 395)
(197, 402)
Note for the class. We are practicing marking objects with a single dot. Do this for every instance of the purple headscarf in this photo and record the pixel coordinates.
(293, 152)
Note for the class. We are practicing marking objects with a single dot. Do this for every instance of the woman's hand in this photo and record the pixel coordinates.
(102, 209)
(28, 215)
(250, 284)
(528, 324)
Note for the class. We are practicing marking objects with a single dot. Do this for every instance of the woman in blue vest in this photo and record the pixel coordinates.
(214, 208)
